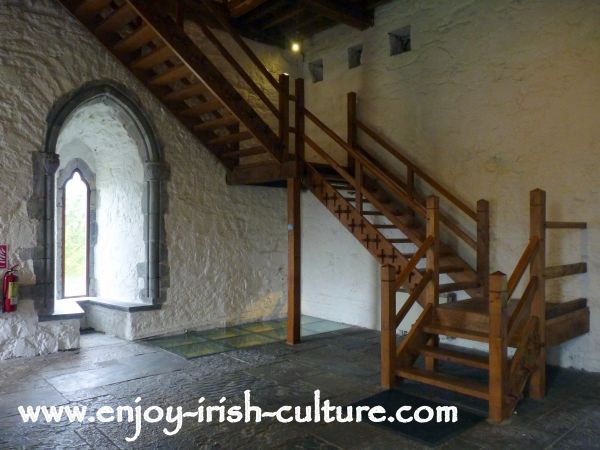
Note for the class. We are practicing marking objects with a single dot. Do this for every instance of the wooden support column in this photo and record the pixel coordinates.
(352, 130)
(294, 260)
(284, 112)
(293, 193)
(388, 325)
(483, 246)
(537, 384)
(498, 376)
(299, 120)
(432, 293)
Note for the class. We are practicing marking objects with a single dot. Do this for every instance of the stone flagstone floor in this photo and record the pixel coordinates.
(343, 364)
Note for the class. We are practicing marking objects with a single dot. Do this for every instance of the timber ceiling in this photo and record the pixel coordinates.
(279, 22)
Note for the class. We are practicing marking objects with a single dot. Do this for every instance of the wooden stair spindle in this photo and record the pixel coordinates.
(483, 245)
(388, 325)
(537, 385)
(433, 264)
(498, 380)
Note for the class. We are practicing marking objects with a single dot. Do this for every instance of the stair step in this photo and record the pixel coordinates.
(386, 227)
(470, 335)
(250, 151)
(152, 59)
(217, 123)
(202, 108)
(558, 309)
(445, 381)
(140, 37)
(455, 356)
(232, 138)
(372, 213)
(170, 76)
(117, 20)
(399, 241)
(447, 269)
(454, 287)
(445, 252)
(353, 199)
(89, 8)
(186, 93)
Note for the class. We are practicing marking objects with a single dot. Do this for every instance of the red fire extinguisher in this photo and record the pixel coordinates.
(10, 290)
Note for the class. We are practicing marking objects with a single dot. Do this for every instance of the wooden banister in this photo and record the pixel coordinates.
(524, 262)
(239, 69)
(362, 159)
(414, 260)
(521, 307)
(224, 21)
(417, 170)
(284, 112)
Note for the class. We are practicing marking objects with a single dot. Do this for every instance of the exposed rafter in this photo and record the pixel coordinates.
(341, 11)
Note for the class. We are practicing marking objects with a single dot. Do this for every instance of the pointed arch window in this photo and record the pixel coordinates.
(76, 236)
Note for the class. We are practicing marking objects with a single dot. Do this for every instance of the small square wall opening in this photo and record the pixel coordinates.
(316, 70)
(355, 56)
(400, 41)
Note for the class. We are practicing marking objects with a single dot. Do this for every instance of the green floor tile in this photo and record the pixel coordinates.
(263, 326)
(325, 326)
(199, 349)
(174, 341)
(249, 340)
(220, 333)
(279, 333)
(305, 320)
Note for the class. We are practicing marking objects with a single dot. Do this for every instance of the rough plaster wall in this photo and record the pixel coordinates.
(116, 161)
(495, 99)
(226, 245)
(21, 335)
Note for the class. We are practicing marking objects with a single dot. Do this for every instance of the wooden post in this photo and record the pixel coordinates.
(284, 113)
(498, 381)
(352, 130)
(388, 326)
(483, 246)
(432, 290)
(294, 261)
(299, 120)
(537, 384)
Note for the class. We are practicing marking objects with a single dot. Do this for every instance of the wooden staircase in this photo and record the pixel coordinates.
(427, 245)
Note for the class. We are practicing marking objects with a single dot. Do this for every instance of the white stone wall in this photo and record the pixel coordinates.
(496, 98)
(21, 335)
(226, 245)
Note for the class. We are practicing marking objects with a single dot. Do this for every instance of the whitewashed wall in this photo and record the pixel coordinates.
(496, 98)
(226, 245)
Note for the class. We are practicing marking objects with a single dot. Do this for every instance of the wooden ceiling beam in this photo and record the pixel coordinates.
(341, 11)
(240, 7)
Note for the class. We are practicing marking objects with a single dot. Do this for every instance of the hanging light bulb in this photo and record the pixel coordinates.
(296, 47)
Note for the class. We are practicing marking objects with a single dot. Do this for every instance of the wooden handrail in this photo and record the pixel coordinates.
(564, 270)
(367, 163)
(239, 69)
(413, 297)
(417, 170)
(525, 300)
(240, 41)
(414, 260)
(524, 261)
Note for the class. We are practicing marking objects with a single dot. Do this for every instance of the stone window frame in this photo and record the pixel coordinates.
(89, 178)
(42, 205)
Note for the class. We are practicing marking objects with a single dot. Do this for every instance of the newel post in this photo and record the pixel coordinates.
(537, 384)
(498, 382)
(284, 113)
(432, 294)
(388, 325)
(483, 245)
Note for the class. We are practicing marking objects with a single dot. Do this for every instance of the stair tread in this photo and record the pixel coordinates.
(250, 151)
(140, 37)
(457, 355)
(117, 20)
(152, 59)
(436, 328)
(447, 269)
(191, 91)
(459, 286)
(202, 108)
(217, 123)
(442, 380)
(170, 75)
(232, 138)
